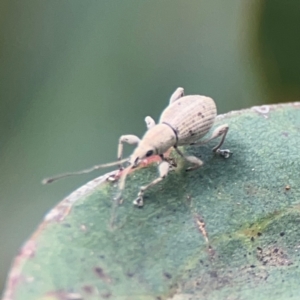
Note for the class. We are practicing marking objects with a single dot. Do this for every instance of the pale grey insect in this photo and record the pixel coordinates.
(183, 122)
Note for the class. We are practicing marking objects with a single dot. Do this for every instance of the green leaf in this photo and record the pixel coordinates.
(229, 230)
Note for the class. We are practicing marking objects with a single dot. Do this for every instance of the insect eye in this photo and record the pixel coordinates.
(149, 153)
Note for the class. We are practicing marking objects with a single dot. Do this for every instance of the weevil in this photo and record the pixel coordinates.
(185, 121)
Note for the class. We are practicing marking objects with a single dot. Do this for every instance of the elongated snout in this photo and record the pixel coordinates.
(134, 161)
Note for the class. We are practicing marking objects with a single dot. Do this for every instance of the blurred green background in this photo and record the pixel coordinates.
(75, 75)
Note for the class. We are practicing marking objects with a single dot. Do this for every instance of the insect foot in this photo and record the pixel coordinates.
(226, 153)
(112, 178)
(139, 201)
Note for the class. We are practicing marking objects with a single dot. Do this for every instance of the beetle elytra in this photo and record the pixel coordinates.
(185, 121)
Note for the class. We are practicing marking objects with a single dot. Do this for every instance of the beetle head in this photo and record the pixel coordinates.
(156, 141)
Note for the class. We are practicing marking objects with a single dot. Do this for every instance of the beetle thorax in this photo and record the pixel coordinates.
(157, 140)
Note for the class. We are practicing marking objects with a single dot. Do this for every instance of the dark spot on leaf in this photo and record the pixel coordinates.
(167, 275)
(252, 266)
(282, 233)
(130, 274)
(88, 289)
(252, 239)
(259, 234)
(99, 271)
(273, 257)
(199, 114)
(259, 248)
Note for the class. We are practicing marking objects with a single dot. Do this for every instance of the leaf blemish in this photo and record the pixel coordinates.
(99, 271)
(88, 289)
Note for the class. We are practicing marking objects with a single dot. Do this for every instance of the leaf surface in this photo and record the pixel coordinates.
(229, 230)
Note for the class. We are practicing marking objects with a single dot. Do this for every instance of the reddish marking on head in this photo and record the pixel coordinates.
(143, 164)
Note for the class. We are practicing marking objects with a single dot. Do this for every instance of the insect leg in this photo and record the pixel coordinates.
(129, 139)
(192, 159)
(177, 95)
(149, 122)
(163, 169)
(219, 131)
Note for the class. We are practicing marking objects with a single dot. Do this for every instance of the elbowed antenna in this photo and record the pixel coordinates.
(51, 179)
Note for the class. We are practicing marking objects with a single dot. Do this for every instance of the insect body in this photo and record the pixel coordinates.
(183, 122)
